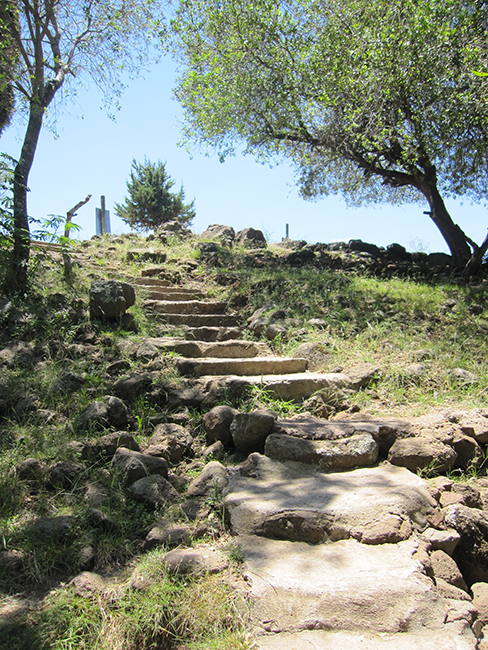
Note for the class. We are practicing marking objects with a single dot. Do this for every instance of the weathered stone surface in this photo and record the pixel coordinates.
(129, 388)
(216, 423)
(250, 430)
(65, 474)
(146, 255)
(109, 299)
(357, 450)
(293, 501)
(117, 413)
(94, 416)
(480, 601)
(96, 495)
(195, 560)
(224, 234)
(189, 397)
(450, 638)
(154, 492)
(361, 374)
(358, 587)
(134, 465)
(166, 533)
(169, 441)
(421, 452)
(251, 238)
(444, 567)
(214, 475)
(87, 584)
(52, 529)
(255, 366)
(443, 540)
(471, 554)
(107, 445)
(318, 355)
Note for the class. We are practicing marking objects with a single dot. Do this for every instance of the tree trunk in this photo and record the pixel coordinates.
(452, 233)
(17, 274)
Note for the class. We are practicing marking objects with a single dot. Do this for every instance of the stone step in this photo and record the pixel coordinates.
(199, 320)
(231, 349)
(361, 593)
(174, 295)
(213, 333)
(257, 366)
(297, 386)
(152, 282)
(185, 307)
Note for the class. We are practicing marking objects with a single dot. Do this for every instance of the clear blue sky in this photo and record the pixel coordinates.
(92, 155)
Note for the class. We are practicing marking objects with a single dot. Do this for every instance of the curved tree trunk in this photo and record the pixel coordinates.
(452, 233)
(17, 275)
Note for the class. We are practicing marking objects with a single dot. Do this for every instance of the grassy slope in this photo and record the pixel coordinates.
(367, 319)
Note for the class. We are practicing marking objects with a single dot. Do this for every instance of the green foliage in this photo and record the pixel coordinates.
(374, 100)
(151, 203)
(8, 61)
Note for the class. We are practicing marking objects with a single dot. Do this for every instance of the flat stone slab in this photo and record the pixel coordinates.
(186, 306)
(256, 366)
(232, 349)
(174, 294)
(296, 386)
(292, 501)
(199, 320)
(446, 639)
(350, 587)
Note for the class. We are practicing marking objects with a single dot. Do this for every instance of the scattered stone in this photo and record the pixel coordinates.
(195, 560)
(167, 533)
(462, 376)
(250, 430)
(131, 387)
(444, 567)
(87, 584)
(118, 367)
(51, 529)
(251, 238)
(134, 465)
(362, 374)
(117, 412)
(65, 474)
(30, 469)
(97, 495)
(420, 453)
(95, 416)
(106, 446)
(442, 540)
(213, 478)
(224, 234)
(217, 423)
(109, 299)
(146, 255)
(169, 441)
(216, 451)
(154, 492)
(275, 330)
(318, 355)
(471, 553)
(480, 601)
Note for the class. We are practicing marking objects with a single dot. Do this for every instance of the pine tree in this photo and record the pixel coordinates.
(150, 202)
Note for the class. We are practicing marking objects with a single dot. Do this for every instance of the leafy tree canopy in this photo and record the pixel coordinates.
(8, 61)
(61, 44)
(373, 99)
(150, 202)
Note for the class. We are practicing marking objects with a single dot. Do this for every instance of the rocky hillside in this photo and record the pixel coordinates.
(209, 442)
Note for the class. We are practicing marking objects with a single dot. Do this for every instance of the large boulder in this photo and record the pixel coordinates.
(224, 234)
(109, 299)
(250, 430)
(251, 238)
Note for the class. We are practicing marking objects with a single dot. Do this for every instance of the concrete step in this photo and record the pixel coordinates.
(257, 366)
(199, 320)
(185, 307)
(297, 386)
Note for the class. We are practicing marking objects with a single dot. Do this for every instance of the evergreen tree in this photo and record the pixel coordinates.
(150, 202)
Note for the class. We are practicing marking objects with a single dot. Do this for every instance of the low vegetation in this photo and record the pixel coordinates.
(47, 341)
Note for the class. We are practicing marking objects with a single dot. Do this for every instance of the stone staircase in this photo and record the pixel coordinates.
(333, 559)
(236, 362)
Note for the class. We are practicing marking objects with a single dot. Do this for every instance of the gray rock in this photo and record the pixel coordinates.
(216, 451)
(131, 387)
(97, 495)
(462, 376)
(214, 476)
(251, 238)
(109, 299)
(480, 601)
(169, 441)
(250, 430)
(95, 416)
(318, 355)
(154, 492)
(65, 474)
(362, 374)
(118, 415)
(86, 584)
(217, 424)
(274, 330)
(134, 465)
(355, 451)
(30, 469)
(422, 452)
(106, 446)
(167, 533)
(471, 553)
(225, 234)
(442, 540)
(52, 529)
(195, 560)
